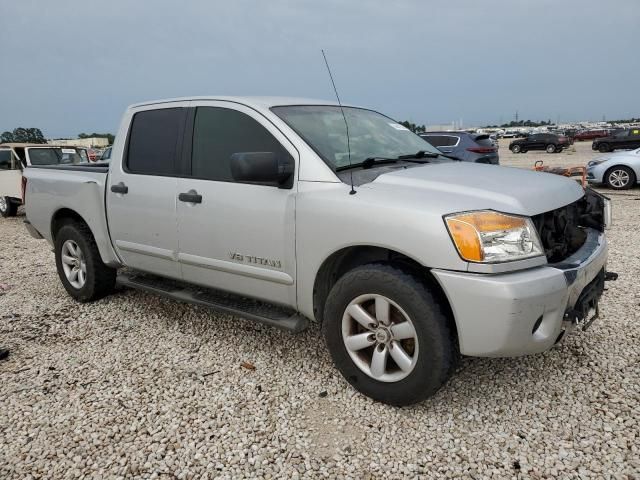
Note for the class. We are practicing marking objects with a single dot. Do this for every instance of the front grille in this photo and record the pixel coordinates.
(563, 231)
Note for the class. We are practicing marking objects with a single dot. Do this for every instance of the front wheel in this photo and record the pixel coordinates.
(7, 207)
(620, 178)
(551, 148)
(516, 149)
(388, 335)
(80, 268)
(603, 148)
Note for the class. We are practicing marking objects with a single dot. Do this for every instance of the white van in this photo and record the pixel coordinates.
(14, 157)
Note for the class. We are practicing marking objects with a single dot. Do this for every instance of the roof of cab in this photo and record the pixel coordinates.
(255, 102)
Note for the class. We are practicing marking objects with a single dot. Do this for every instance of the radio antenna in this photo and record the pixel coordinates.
(344, 117)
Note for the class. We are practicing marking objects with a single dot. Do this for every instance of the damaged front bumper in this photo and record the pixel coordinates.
(527, 311)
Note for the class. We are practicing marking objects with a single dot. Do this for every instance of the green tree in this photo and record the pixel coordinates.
(23, 135)
(109, 136)
(413, 127)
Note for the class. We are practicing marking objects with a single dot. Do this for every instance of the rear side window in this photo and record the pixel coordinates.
(218, 133)
(483, 140)
(153, 141)
(441, 140)
(6, 162)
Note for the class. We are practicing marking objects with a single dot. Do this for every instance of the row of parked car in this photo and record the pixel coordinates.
(553, 143)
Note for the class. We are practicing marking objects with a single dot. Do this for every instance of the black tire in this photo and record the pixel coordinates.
(615, 175)
(516, 148)
(604, 148)
(100, 279)
(436, 351)
(551, 148)
(8, 208)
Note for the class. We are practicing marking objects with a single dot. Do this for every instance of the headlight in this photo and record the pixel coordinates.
(597, 161)
(491, 237)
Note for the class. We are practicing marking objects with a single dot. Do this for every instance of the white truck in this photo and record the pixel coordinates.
(15, 157)
(268, 208)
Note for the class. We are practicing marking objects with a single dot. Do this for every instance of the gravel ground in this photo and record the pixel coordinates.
(135, 386)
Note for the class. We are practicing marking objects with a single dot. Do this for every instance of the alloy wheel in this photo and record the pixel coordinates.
(619, 178)
(380, 338)
(3, 204)
(74, 264)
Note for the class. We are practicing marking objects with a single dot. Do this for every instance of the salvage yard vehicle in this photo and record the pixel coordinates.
(470, 147)
(591, 134)
(14, 157)
(549, 142)
(624, 139)
(619, 171)
(271, 209)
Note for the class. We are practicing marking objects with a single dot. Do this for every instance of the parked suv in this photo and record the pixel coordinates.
(624, 139)
(478, 148)
(549, 142)
(269, 209)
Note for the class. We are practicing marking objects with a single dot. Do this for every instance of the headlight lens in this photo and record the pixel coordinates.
(597, 161)
(491, 237)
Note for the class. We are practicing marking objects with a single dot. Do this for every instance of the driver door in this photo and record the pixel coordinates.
(234, 236)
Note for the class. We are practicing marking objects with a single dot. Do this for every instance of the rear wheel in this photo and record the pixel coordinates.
(388, 335)
(80, 268)
(620, 178)
(551, 148)
(516, 149)
(7, 207)
(604, 147)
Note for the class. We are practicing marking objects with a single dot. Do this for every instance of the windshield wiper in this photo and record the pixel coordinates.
(368, 163)
(423, 154)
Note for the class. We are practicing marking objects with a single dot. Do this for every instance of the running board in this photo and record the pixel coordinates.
(263, 312)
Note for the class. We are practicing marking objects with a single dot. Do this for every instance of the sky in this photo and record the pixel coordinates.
(74, 65)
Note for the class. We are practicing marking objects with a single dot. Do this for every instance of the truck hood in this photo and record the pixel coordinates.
(462, 186)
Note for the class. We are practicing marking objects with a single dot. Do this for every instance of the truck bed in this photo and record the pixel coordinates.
(81, 188)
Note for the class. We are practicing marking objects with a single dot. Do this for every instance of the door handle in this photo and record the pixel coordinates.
(190, 197)
(120, 188)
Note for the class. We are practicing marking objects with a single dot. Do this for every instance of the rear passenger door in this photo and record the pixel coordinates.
(142, 190)
(237, 237)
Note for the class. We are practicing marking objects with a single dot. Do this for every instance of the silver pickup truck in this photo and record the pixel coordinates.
(271, 209)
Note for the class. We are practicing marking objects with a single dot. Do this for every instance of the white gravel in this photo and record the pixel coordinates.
(135, 386)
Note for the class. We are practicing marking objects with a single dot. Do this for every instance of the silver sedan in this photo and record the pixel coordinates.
(620, 170)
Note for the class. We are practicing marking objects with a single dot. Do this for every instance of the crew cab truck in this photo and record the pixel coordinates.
(14, 157)
(267, 208)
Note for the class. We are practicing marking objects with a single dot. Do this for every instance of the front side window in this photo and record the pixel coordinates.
(371, 134)
(54, 156)
(218, 133)
(6, 160)
(153, 141)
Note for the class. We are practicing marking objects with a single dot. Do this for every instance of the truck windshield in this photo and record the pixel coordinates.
(54, 156)
(371, 134)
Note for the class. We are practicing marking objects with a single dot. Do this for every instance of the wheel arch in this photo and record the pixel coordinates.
(64, 215)
(348, 258)
(634, 170)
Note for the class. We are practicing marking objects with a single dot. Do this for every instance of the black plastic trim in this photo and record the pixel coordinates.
(89, 167)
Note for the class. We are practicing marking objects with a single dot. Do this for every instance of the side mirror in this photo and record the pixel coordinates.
(264, 168)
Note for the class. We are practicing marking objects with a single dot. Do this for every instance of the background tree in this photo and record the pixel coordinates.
(413, 127)
(23, 135)
(109, 136)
